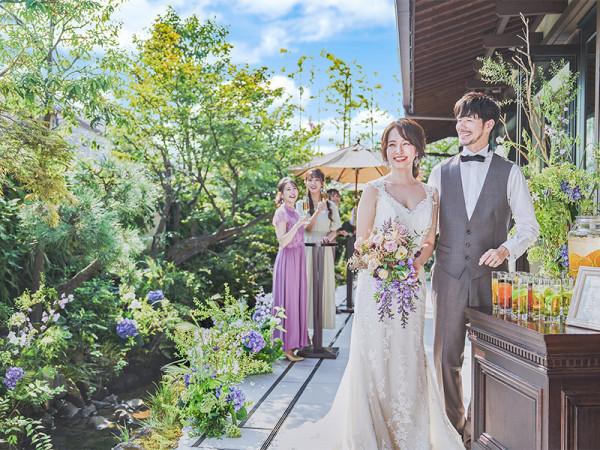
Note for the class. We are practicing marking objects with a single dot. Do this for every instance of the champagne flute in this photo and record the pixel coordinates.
(323, 194)
(305, 205)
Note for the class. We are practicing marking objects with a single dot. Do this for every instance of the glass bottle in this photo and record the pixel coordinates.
(584, 243)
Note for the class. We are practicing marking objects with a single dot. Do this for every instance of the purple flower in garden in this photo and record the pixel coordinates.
(564, 256)
(254, 341)
(13, 376)
(565, 187)
(576, 194)
(127, 327)
(236, 398)
(154, 296)
(187, 376)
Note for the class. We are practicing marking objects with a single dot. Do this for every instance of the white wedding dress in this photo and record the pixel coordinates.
(387, 398)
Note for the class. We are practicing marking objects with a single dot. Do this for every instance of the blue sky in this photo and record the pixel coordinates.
(353, 30)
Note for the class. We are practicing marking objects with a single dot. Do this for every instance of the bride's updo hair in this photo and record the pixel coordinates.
(413, 133)
(281, 187)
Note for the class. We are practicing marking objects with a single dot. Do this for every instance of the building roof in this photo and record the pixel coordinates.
(440, 41)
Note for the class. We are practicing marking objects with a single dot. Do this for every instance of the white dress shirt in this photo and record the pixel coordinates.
(473, 175)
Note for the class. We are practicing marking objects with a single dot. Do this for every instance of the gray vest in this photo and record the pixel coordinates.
(462, 241)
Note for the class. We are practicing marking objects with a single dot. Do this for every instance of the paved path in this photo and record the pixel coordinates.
(302, 391)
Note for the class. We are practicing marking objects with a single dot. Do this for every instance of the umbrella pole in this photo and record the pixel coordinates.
(350, 251)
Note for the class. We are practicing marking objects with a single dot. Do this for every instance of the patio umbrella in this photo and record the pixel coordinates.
(355, 164)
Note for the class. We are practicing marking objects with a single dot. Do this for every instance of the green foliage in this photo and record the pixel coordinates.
(12, 253)
(103, 227)
(14, 427)
(211, 133)
(559, 188)
(51, 58)
(178, 285)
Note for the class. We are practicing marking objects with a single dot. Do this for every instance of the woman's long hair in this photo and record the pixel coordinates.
(281, 187)
(317, 173)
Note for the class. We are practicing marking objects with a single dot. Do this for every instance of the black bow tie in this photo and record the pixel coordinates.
(478, 158)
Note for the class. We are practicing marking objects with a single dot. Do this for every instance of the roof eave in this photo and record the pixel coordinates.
(404, 19)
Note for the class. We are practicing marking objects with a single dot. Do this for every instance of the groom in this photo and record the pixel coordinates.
(479, 191)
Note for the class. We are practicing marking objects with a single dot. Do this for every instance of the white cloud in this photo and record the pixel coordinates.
(273, 39)
(271, 24)
(289, 90)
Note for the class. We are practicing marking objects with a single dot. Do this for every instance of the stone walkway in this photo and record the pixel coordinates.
(298, 392)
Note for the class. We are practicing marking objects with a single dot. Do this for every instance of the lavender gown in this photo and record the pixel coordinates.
(289, 282)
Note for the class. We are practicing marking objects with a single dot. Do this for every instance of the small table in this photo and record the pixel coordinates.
(533, 387)
(317, 350)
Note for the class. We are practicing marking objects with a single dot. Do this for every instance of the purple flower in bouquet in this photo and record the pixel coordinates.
(13, 376)
(565, 187)
(154, 296)
(390, 261)
(576, 193)
(127, 327)
(254, 341)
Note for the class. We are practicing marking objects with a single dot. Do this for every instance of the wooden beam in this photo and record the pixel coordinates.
(510, 40)
(511, 8)
(475, 83)
(500, 27)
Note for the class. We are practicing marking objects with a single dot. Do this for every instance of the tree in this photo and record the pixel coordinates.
(209, 132)
(50, 65)
(345, 93)
(101, 229)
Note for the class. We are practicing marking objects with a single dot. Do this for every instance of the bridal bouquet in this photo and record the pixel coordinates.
(387, 254)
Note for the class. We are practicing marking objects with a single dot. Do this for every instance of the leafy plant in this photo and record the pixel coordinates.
(560, 189)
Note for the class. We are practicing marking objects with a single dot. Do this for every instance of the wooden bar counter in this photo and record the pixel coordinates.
(533, 388)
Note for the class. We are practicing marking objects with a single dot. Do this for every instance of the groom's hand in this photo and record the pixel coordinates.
(494, 256)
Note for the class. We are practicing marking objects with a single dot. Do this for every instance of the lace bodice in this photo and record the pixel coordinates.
(418, 220)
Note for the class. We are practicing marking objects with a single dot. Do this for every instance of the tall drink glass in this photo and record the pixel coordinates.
(520, 295)
(495, 277)
(567, 293)
(505, 293)
(539, 286)
(552, 301)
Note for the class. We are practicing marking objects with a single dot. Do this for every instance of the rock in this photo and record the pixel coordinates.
(112, 399)
(127, 446)
(99, 423)
(124, 416)
(101, 393)
(143, 433)
(135, 404)
(84, 388)
(58, 380)
(47, 421)
(68, 410)
(88, 410)
(100, 405)
(73, 394)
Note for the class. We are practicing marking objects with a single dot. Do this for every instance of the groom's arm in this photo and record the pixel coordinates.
(527, 228)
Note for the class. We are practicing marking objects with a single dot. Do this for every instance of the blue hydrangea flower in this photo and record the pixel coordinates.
(254, 341)
(13, 376)
(236, 398)
(154, 296)
(127, 327)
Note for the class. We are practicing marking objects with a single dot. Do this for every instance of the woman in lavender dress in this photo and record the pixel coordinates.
(289, 273)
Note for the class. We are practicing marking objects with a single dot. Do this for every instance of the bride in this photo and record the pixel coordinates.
(387, 398)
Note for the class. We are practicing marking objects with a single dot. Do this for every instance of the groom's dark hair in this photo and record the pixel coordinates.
(472, 103)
